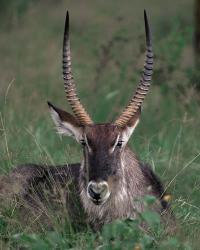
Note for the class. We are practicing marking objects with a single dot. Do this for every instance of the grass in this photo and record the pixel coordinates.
(107, 46)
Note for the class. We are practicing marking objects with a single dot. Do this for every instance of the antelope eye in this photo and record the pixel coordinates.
(83, 143)
(119, 144)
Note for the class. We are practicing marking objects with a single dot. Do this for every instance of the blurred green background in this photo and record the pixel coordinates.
(108, 45)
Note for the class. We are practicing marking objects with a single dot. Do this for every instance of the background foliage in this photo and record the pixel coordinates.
(108, 46)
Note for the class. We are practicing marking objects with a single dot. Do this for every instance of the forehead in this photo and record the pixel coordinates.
(101, 132)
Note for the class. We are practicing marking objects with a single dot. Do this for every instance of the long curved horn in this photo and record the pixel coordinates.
(70, 88)
(143, 87)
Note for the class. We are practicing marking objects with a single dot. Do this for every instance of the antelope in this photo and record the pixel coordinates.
(110, 178)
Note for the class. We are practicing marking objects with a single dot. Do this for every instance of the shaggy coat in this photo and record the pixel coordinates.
(29, 182)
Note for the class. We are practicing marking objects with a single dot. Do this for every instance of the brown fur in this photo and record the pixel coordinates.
(134, 182)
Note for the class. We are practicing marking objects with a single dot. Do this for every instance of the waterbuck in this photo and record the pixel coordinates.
(110, 180)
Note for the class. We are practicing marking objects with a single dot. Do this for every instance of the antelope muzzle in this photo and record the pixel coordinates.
(98, 192)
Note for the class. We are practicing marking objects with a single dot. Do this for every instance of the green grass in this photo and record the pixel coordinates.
(30, 74)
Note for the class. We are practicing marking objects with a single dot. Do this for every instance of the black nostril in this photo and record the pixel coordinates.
(93, 194)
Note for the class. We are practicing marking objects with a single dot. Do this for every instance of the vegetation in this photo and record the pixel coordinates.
(107, 46)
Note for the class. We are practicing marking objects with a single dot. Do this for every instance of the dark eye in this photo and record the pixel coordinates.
(83, 143)
(119, 144)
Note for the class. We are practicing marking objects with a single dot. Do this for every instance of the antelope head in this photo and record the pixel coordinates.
(103, 144)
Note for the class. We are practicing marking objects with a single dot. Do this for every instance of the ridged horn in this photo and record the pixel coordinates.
(144, 84)
(69, 85)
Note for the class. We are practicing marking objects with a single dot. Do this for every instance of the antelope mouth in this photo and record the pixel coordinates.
(99, 202)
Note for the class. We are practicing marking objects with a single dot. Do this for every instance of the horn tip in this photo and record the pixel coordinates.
(66, 29)
(67, 18)
(147, 29)
(145, 13)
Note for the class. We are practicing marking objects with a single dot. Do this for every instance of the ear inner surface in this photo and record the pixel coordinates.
(131, 125)
(65, 116)
(65, 122)
(127, 131)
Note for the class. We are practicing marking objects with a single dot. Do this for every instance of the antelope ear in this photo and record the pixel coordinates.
(131, 125)
(65, 122)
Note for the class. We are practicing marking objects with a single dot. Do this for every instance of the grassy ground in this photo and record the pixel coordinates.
(107, 46)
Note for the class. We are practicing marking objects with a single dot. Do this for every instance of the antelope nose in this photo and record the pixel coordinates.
(97, 190)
